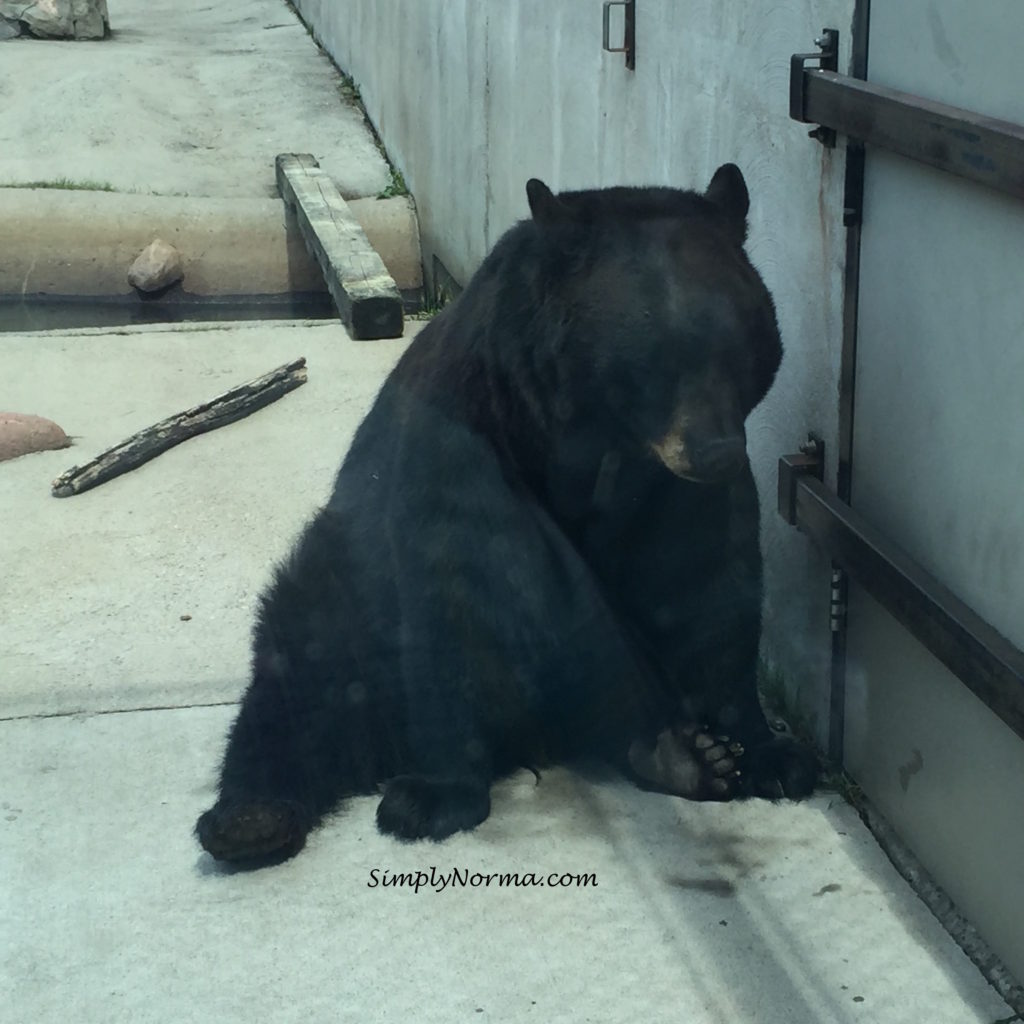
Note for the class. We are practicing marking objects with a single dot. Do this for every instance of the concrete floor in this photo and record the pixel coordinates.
(114, 711)
(113, 706)
(188, 97)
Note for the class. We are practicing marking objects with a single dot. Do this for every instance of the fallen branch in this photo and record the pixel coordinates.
(155, 440)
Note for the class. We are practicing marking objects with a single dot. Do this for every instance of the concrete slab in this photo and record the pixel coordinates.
(700, 914)
(95, 585)
(187, 97)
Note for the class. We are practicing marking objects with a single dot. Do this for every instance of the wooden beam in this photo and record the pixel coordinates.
(368, 300)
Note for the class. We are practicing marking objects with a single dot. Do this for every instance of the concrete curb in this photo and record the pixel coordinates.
(82, 243)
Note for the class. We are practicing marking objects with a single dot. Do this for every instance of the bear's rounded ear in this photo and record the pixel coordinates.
(544, 206)
(728, 191)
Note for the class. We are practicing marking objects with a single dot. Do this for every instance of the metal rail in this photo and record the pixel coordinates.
(982, 149)
(984, 660)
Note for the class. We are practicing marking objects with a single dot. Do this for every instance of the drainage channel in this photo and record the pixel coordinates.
(27, 314)
(307, 255)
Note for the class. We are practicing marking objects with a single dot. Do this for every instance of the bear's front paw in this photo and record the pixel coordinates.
(424, 807)
(253, 830)
(779, 768)
(688, 762)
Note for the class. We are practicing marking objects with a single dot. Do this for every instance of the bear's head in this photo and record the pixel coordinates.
(661, 315)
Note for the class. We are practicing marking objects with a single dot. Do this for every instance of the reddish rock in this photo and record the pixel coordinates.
(22, 433)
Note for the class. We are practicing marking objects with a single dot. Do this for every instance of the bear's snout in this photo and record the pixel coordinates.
(719, 459)
(710, 461)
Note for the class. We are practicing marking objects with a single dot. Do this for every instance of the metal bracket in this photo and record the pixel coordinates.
(828, 60)
(628, 46)
(810, 462)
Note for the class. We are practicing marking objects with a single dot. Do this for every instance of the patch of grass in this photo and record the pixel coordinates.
(349, 90)
(397, 186)
(835, 780)
(64, 183)
(431, 309)
(350, 94)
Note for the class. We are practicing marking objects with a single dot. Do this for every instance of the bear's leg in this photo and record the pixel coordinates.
(264, 811)
(713, 660)
(771, 766)
(280, 773)
(447, 786)
(695, 597)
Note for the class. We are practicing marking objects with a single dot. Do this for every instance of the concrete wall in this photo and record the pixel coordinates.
(472, 97)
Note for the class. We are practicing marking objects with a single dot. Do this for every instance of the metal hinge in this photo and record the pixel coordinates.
(837, 601)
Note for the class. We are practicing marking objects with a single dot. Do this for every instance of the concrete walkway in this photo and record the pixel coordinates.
(188, 97)
(181, 114)
(114, 712)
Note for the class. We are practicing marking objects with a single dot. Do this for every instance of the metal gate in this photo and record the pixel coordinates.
(927, 526)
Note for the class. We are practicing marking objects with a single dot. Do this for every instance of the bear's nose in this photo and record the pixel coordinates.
(719, 459)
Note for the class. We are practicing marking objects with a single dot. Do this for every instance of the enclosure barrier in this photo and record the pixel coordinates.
(991, 666)
(981, 149)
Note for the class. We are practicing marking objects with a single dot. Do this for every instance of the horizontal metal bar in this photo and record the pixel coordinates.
(987, 663)
(961, 142)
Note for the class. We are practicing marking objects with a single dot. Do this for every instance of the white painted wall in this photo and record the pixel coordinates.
(472, 97)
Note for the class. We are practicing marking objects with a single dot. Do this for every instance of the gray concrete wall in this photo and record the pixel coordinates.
(472, 97)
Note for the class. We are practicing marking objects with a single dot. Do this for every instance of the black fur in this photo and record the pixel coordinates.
(543, 541)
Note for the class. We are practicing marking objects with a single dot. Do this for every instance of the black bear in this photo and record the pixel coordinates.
(542, 544)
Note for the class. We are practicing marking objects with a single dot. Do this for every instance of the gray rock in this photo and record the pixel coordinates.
(9, 28)
(57, 19)
(157, 266)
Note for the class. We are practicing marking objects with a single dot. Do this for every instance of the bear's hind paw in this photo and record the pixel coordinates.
(426, 807)
(254, 831)
(688, 762)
